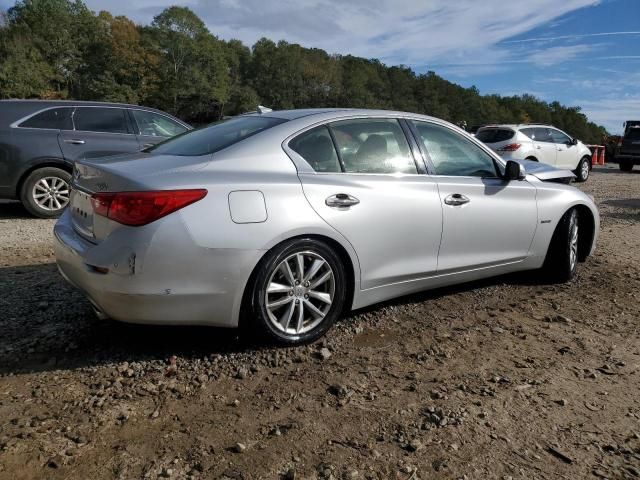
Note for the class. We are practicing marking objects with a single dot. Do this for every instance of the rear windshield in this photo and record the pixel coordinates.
(632, 133)
(216, 136)
(494, 135)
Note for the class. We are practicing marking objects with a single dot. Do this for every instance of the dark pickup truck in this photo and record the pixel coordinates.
(628, 150)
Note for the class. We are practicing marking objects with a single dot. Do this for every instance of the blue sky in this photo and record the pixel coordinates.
(579, 52)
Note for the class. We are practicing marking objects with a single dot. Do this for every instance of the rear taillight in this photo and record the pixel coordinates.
(141, 208)
(512, 147)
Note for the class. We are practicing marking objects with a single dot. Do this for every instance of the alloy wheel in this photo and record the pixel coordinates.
(299, 293)
(573, 244)
(585, 170)
(51, 193)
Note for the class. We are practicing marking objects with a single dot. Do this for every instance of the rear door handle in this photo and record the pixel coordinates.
(341, 200)
(147, 145)
(74, 141)
(456, 199)
(538, 147)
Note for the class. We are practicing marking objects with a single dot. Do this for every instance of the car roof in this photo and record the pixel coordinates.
(516, 126)
(13, 110)
(311, 114)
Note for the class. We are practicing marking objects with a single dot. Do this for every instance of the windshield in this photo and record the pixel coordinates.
(216, 136)
(494, 135)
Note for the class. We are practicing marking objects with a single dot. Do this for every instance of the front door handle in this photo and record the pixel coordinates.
(341, 200)
(74, 141)
(147, 145)
(456, 199)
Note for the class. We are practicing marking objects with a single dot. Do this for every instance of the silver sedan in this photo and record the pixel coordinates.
(281, 221)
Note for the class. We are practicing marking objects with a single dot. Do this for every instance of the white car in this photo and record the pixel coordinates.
(540, 143)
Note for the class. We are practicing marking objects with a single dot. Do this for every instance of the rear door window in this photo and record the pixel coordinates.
(99, 119)
(53, 118)
(494, 135)
(529, 132)
(373, 145)
(543, 135)
(316, 147)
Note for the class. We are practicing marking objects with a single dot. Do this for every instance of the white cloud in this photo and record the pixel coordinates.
(397, 31)
(555, 55)
(612, 111)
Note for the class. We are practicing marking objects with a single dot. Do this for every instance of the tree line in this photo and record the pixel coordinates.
(59, 49)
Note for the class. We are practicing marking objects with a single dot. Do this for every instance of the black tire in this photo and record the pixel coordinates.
(28, 191)
(257, 321)
(583, 169)
(625, 166)
(561, 262)
(533, 159)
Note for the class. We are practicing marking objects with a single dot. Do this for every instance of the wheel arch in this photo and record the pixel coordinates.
(351, 271)
(587, 235)
(44, 163)
(532, 158)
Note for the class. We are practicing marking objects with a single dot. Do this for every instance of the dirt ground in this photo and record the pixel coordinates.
(509, 378)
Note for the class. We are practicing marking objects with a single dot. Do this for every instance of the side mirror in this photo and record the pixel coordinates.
(574, 141)
(514, 171)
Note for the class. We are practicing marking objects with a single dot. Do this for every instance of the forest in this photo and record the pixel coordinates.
(60, 49)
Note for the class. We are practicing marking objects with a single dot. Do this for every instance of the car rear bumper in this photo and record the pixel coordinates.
(154, 294)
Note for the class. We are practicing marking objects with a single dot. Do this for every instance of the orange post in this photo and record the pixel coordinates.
(601, 162)
(594, 156)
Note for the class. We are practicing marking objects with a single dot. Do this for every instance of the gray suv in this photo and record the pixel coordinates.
(40, 140)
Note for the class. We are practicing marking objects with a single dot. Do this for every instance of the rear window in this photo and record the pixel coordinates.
(54, 118)
(494, 135)
(632, 133)
(216, 136)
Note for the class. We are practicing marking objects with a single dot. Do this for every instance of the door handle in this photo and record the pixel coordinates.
(456, 199)
(538, 147)
(147, 145)
(341, 200)
(74, 141)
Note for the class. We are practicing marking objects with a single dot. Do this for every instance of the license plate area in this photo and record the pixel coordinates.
(82, 212)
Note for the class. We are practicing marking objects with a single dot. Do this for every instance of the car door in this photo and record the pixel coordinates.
(364, 181)
(486, 220)
(545, 148)
(98, 132)
(152, 127)
(567, 154)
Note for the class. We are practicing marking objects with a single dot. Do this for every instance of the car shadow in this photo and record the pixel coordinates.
(613, 168)
(48, 325)
(10, 209)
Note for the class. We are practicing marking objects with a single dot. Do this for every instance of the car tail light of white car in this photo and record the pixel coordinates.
(511, 147)
(140, 208)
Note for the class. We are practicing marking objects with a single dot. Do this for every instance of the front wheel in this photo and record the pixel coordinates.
(298, 292)
(584, 167)
(45, 192)
(562, 257)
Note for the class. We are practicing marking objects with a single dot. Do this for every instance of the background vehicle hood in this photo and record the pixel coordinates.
(544, 171)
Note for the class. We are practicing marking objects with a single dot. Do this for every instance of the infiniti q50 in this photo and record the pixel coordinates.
(281, 221)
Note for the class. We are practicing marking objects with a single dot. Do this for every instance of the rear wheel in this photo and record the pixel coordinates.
(533, 159)
(584, 167)
(626, 166)
(562, 257)
(45, 192)
(298, 292)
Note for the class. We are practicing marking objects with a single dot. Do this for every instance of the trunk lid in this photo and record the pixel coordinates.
(131, 172)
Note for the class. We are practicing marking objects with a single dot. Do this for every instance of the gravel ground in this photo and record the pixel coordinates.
(508, 378)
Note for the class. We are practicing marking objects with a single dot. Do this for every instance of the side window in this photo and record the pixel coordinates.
(452, 154)
(98, 119)
(373, 146)
(559, 137)
(55, 118)
(543, 135)
(316, 147)
(529, 132)
(155, 125)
